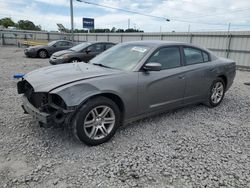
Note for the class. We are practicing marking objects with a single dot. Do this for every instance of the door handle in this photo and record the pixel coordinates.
(212, 70)
(181, 77)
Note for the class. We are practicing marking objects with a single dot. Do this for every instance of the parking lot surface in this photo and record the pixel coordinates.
(190, 147)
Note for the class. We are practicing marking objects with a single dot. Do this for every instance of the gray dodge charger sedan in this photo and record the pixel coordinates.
(129, 81)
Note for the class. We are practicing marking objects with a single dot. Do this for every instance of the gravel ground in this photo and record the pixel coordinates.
(191, 147)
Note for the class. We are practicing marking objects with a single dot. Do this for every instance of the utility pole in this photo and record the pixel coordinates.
(228, 29)
(229, 37)
(72, 20)
(128, 23)
(188, 28)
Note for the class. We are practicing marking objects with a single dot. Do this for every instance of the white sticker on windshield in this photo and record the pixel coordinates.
(139, 49)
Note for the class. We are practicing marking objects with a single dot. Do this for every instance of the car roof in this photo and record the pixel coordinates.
(63, 40)
(93, 42)
(158, 43)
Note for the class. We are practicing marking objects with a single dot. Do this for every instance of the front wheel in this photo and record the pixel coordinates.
(217, 92)
(96, 121)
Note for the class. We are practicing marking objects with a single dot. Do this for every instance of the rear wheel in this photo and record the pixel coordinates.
(217, 92)
(96, 121)
(42, 54)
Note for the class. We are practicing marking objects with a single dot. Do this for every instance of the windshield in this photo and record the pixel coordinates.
(80, 47)
(51, 43)
(122, 56)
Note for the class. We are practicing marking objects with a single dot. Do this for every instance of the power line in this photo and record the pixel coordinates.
(124, 10)
(149, 15)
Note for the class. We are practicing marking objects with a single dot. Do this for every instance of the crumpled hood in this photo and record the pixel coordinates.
(63, 52)
(51, 77)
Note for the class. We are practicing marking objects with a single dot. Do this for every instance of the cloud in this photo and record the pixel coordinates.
(180, 13)
(54, 2)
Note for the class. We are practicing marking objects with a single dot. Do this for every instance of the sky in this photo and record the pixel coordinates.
(184, 15)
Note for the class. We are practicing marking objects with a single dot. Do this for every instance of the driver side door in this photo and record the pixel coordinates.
(58, 46)
(93, 51)
(164, 89)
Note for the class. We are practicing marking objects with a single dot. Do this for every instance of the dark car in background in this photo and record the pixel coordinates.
(44, 51)
(81, 52)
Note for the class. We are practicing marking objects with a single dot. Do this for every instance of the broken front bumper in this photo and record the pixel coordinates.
(57, 118)
(39, 116)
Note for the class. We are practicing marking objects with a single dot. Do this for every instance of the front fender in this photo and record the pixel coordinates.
(74, 95)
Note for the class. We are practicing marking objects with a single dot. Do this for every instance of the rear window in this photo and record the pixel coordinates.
(195, 56)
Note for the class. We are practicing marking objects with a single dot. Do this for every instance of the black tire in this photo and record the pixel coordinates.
(42, 54)
(78, 122)
(210, 103)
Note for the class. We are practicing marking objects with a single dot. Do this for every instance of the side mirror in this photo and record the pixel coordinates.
(54, 45)
(152, 66)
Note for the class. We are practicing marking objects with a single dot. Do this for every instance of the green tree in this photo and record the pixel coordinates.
(131, 30)
(6, 22)
(99, 31)
(27, 25)
(113, 30)
(80, 31)
(120, 31)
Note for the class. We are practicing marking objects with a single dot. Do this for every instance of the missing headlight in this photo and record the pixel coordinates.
(57, 100)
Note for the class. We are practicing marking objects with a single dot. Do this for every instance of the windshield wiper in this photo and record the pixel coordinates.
(101, 65)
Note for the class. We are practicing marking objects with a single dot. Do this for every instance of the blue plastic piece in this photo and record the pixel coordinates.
(18, 75)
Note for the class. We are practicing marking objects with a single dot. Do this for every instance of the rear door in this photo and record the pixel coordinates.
(199, 74)
(162, 89)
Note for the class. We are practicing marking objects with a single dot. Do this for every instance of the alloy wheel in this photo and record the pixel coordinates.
(99, 122)
(217, 92)
(42, 54)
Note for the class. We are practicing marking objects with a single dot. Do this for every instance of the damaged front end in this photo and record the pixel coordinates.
(48, 109)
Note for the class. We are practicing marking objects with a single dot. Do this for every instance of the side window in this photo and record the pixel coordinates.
(205, 56)
(168, 57)
(109, 46)
(62, 43)
(193, 55)
(58, 43)
(98, 48)
(68, 44)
